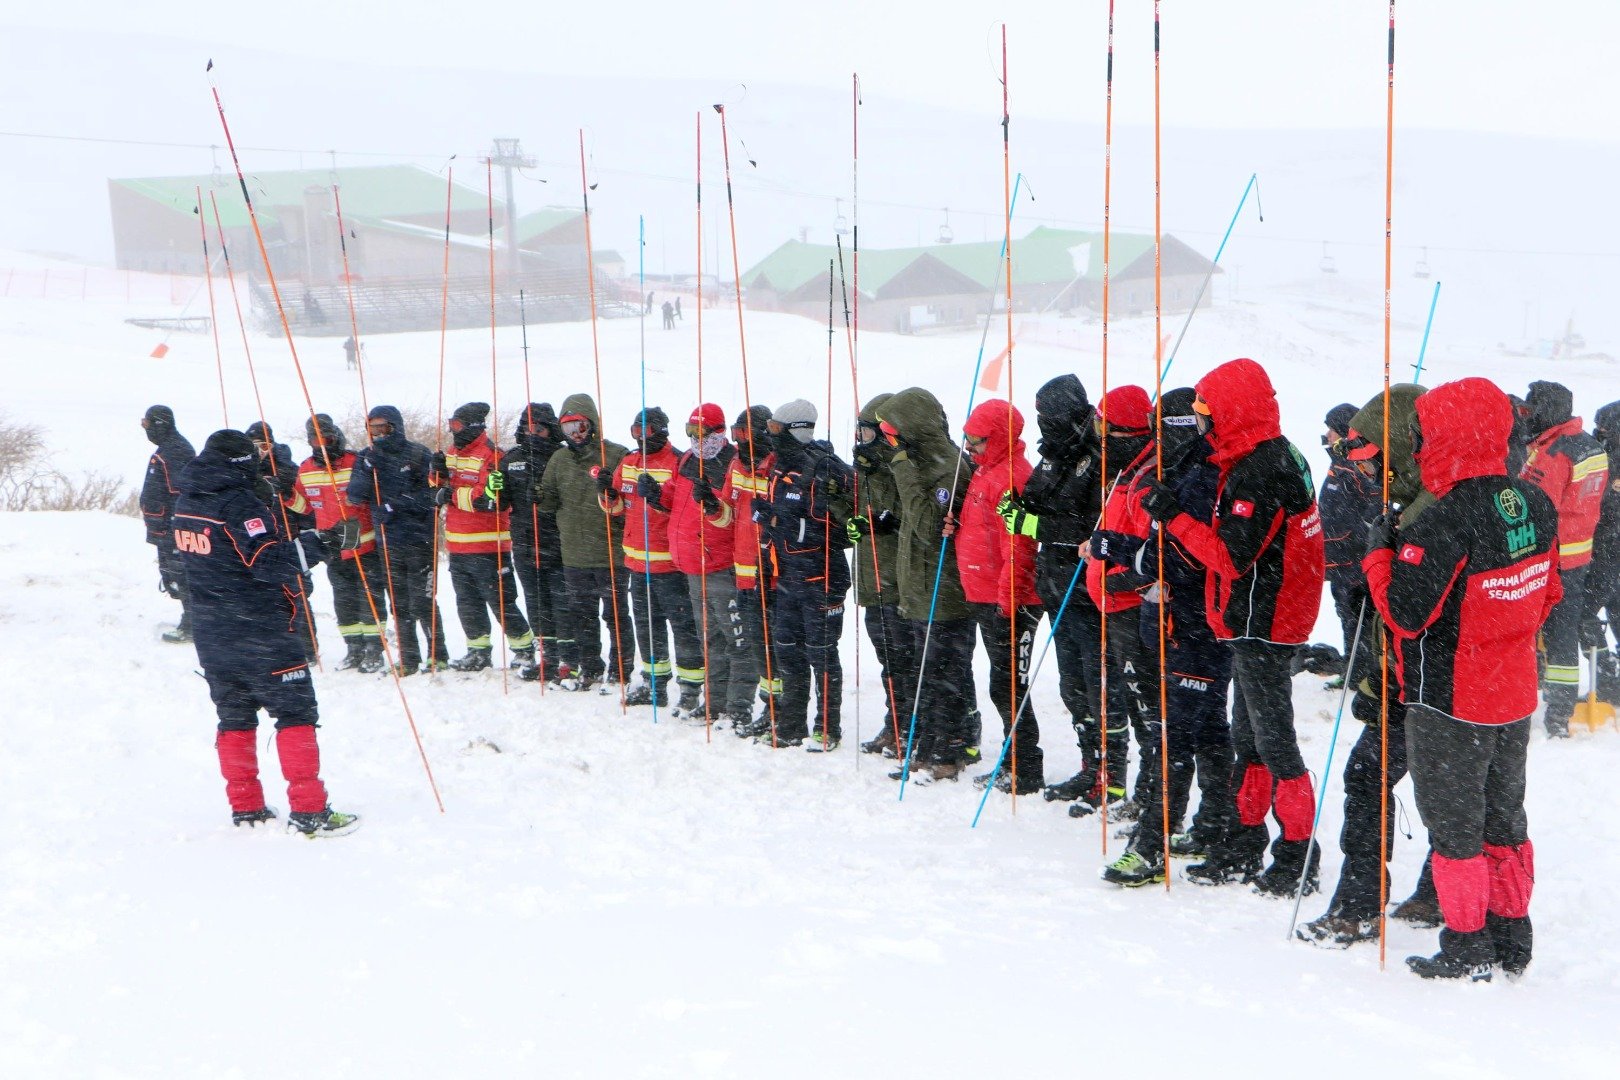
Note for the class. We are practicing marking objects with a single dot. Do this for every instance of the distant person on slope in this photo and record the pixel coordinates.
(241, 575)
(158, 494)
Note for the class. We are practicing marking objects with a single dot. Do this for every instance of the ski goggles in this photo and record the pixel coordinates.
(1200, 406)
(574, 427)
(1357, 447)
(866, 434)
(379, 428)
(890, 435)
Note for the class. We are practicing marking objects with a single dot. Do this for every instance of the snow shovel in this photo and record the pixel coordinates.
(1592, 712)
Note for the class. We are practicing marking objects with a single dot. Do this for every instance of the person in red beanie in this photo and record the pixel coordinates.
(1264, 553)
(1465, 589)
(998, 578)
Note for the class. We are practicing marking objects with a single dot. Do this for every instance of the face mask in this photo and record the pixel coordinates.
(708, 446)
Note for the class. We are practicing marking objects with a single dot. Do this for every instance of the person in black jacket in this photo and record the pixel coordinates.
(536, 544)
(158, 494)
(278, 472)
(1348, 502)
(240, 572)
(392, 476)
(1064, 494)
(1603, 576)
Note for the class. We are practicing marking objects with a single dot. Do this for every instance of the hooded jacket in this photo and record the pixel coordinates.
(803, 514)
(1263, 548)
(523, 466)
(1570, 466)
(471, 528)
(1065, 487)
(927, 468)
(242, 575)
(568, 490)
(1468, 584)
(1603, 579)
(391, 476)
(996, 568)
(1348, 501)
(1405, 478)
(878, 553)
(645, 523)
(161, 487)
(700, 542)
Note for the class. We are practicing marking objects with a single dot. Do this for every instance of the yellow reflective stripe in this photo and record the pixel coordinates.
(457, 461)
(520, 641)
(637, 553)
(661, 667)
(464, 498)
(657, 474)
(476, 538)
(723, 518)
(357, 629)
(321, 476)
(1582, 469)
(754, 485)
(687, 674)
(1579, 547)
(1557, 673)
(745, 570)
(478, 642)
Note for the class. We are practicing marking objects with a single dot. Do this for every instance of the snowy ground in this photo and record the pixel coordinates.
(606, 897)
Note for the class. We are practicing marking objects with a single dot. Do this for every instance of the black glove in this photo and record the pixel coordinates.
(1381, 534)
(604, 485)
(648, 488)
(439, 465)
(1115, 547)
(1159, 501)
(348, 533)
(167, 582)
(702, 490)
(885, 522)
(331, 541)
(442, 495)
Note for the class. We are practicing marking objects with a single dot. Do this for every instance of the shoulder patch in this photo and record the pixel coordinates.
(1411, 553)
(254, 527)
(1242, 508)
(942, 496)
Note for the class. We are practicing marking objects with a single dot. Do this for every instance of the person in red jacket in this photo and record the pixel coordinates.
(702, 535)
(998, 578)
(1465, 589)
(659, 608)
(749, 478)
(478, 535)
(1264, 554)
(359, 585)
(1572, 467)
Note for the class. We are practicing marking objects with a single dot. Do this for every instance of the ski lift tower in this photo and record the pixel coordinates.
(507, 155)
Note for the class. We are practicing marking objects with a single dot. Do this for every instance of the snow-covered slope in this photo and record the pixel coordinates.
(607, 897)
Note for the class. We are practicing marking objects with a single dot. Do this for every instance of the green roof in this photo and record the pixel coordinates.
(539, 222)
(374, 191)
(1046, 255)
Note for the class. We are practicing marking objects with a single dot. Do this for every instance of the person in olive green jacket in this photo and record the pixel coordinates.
(931, 477)
(875, 530)
(592, 549)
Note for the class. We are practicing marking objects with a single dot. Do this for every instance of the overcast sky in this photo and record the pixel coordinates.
(1543, 67)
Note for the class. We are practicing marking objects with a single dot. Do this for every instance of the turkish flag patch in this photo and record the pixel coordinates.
(1411, 553)
(254, 526)
(1242, 508)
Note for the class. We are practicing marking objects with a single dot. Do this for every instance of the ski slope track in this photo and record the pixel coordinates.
(608, 897)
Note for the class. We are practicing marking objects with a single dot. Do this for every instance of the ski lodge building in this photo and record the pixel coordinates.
(908, 290)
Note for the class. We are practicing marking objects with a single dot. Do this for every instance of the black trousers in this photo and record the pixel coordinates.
(896, 665)
(286, 693)
(594, 601)
(1263, 708)
(661, 610)
(806, 625)
(352, 581)
(754, 612)
(1133, 698)
(172, 575)
(1361, 879)
(944, 709)
(1077, 643)
(1561, 638)
(484, 583)
(997, 633)
(1469, 781)
(410, 572)
(544, 596)
(1198, 738)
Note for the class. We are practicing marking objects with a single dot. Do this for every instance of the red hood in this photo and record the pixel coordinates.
(992, 421)
(1465, 427)
(1242, 409)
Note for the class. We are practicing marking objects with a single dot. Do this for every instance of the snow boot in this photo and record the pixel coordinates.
(1512, 939)
(1133, 869)
(1289, 860)
(823, 744)
(327, 822)
(250, 818)
(528, 669)
(475, 660)
(1027, 785)
(1461, 956)
(648, 694)
(1422, 908)
(351, 659)
(180, 635)
(1336, 930)
(883, 744)
(371, 656)
(691, 700)
(1075, 787)
(1235, 859)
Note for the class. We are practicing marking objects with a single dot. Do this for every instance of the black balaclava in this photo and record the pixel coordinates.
(1550, 404)
(159, 424)
(238, 451)
(753, 450)
(654, 425)
(1063, 415)
(329, 431)
(1179, 423)
(472, 417)
(548, 431)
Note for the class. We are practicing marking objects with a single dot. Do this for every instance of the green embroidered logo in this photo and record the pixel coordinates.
(1510, 504)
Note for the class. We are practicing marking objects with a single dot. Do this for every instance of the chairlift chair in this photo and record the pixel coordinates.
(1328, 265)
(946, 236)
(1422, 268)
(840, 222)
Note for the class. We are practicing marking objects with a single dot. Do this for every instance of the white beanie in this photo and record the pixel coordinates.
(799, 417)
